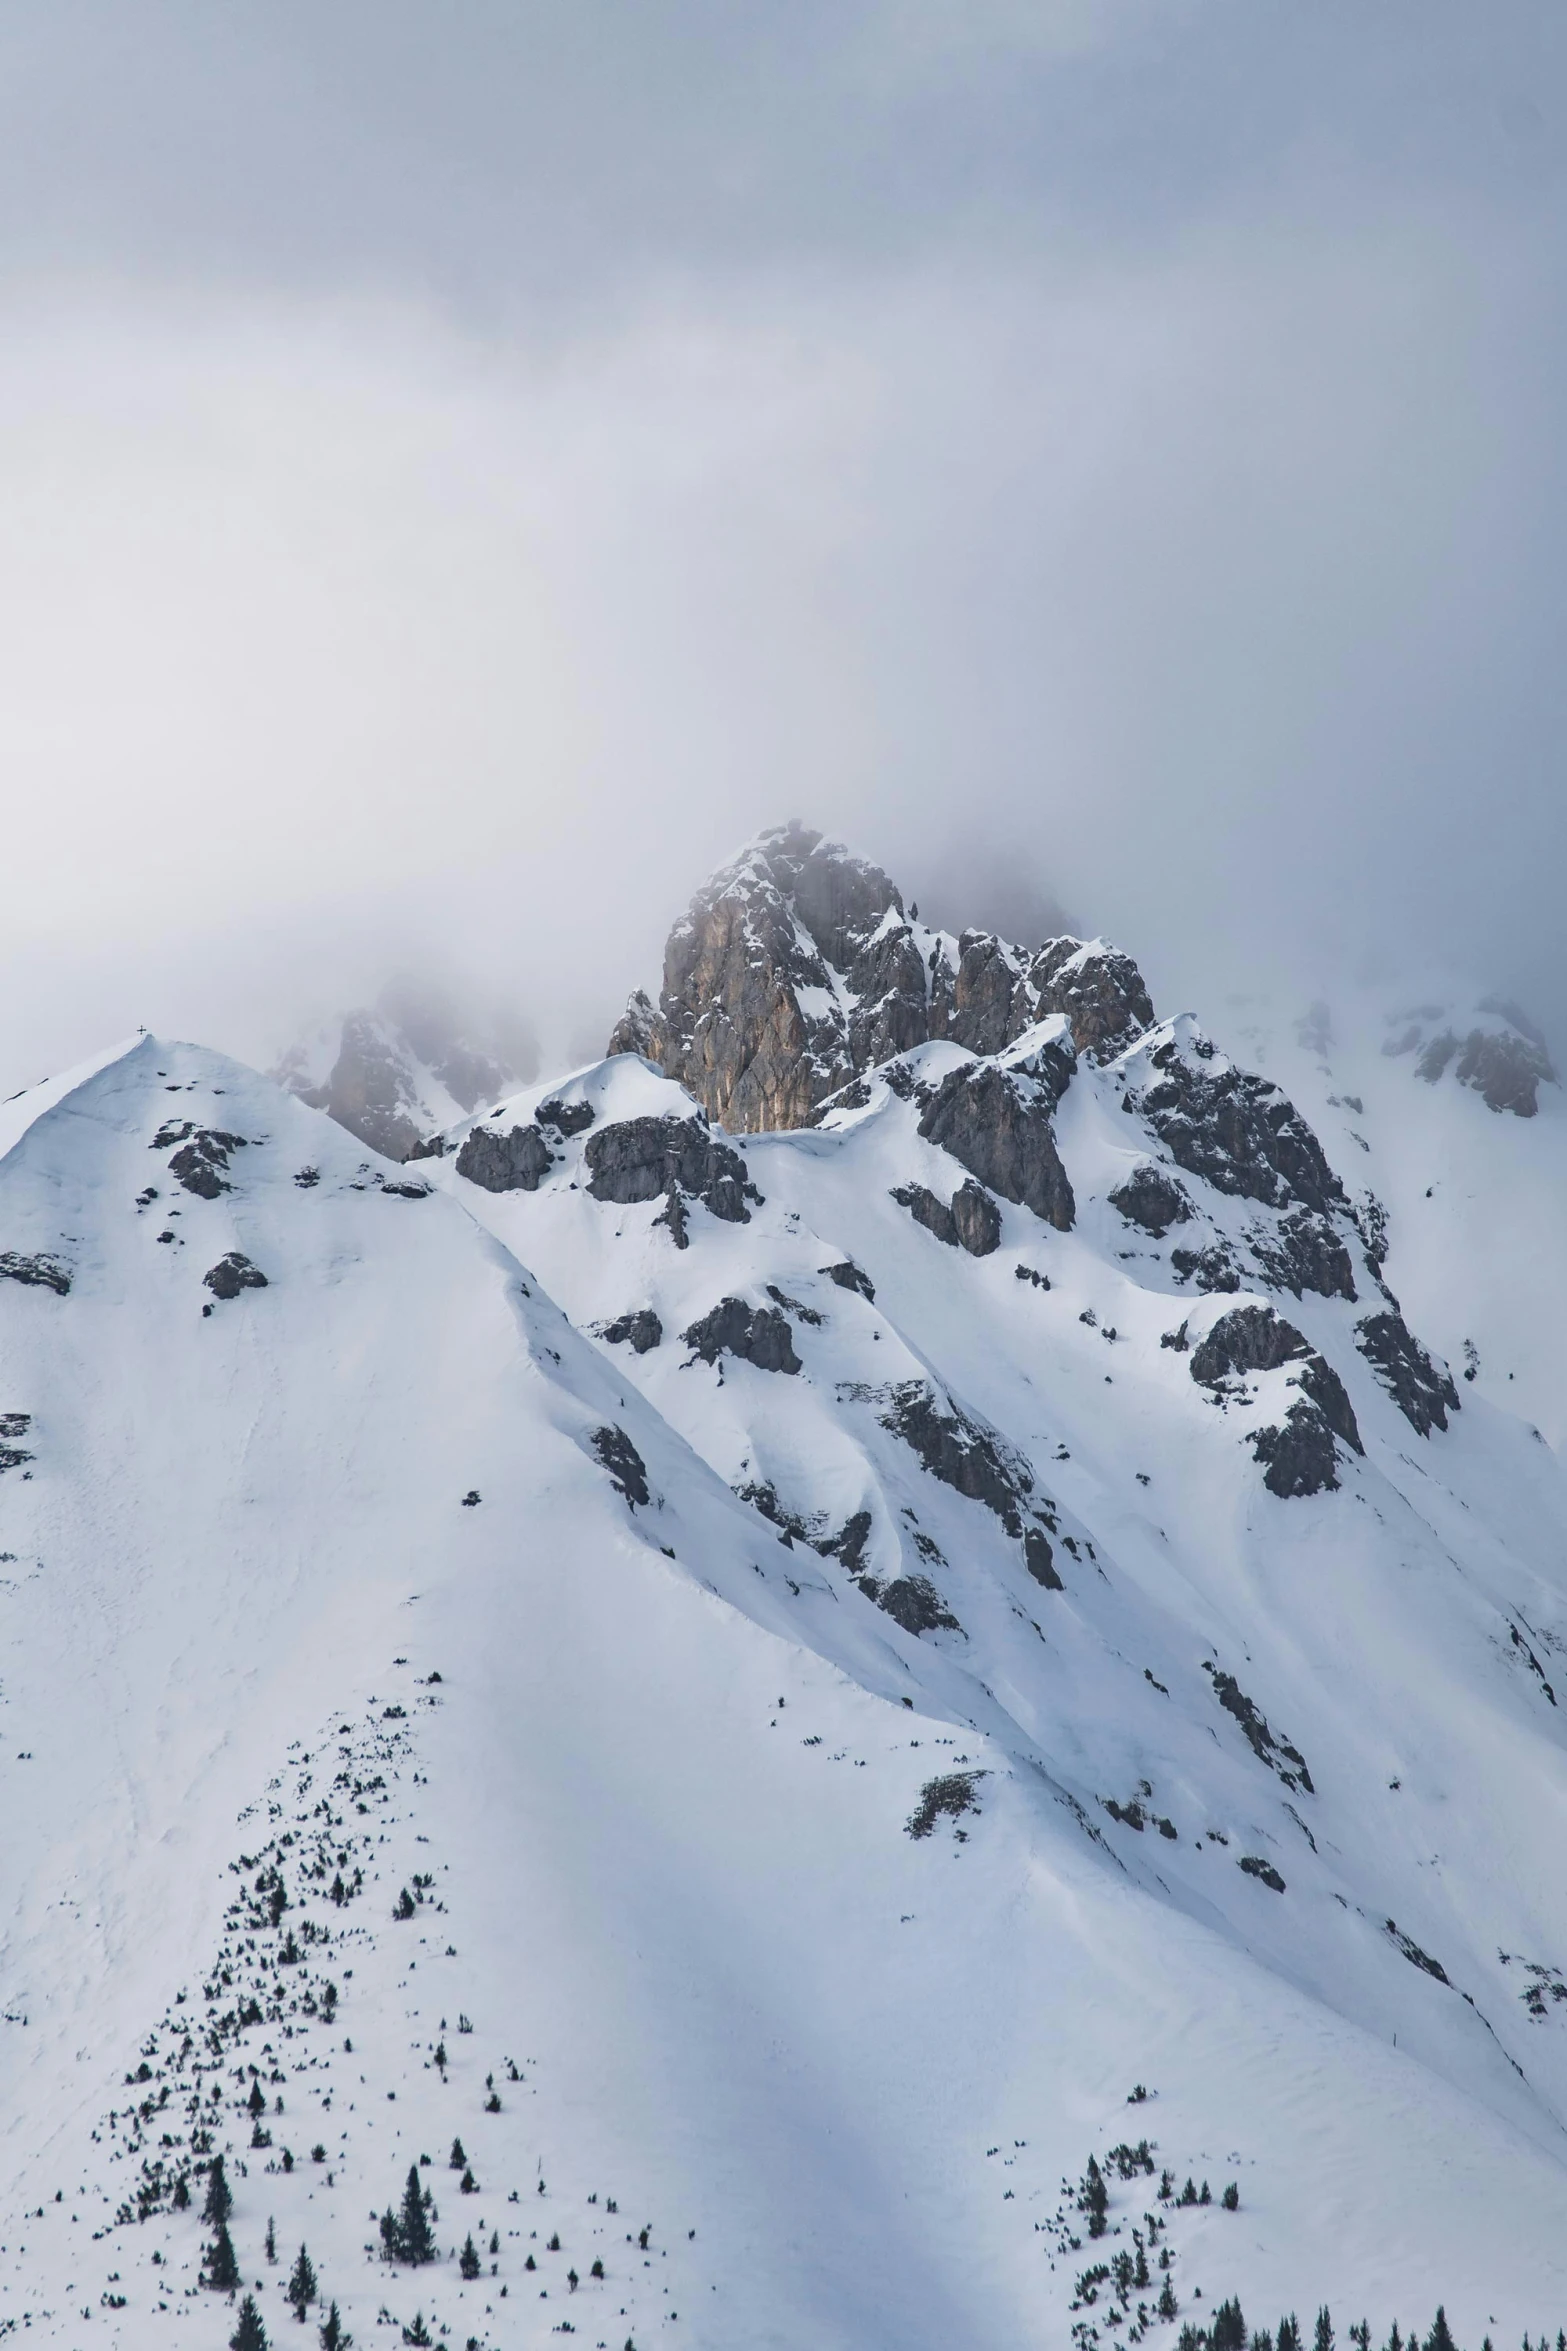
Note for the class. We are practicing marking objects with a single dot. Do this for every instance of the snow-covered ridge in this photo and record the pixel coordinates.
(842, 1652)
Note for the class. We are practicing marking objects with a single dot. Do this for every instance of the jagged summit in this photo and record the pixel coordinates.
(797, 967)
(395, 1071)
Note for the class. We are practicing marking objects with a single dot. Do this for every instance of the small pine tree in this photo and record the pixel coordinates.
(271, 2239)
(416, 2238)
(1229, 2328)
(1440, 2338)
(1206, 2196)
(220, 2196)
(418, 2332)
(403, 1907)
(181, 2193)
(468, 2185)
(495, 2240)
(1232, 2197)
(597, 2271)
(301, 2287)
(1166, 2298)
(457, 2159)
(1288, 2336)
(222, 2270)
(1262, 2340)
(1395, 2341)
(468, 2259)
(250, 2334)
(1360, 2335)
(1322, 2340)
(1093, 2198)
(257, 2101)
(334, 2335)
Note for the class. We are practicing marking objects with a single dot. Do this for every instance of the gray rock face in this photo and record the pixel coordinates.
(996, 1122)
(1151, 1200)
(1424, 1395)
(971, 1222)
(376, 1082)
(1505, 1065)
(796, 969)
(1239, 1132)
(201, 1165)
(913, 1602)
(626, 1467)
(514, 1162)
(976, 1220)
(641, 1332)
(756, 1334)
(1300, 1457)
(642, 1158)
(848, 1276)
(232, 1274)
(35, 1272)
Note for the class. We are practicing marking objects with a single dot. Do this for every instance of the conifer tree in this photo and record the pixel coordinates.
(1440, 2338)
(1288, 2336)
(220, 2196)
(222, 2270)
(257, 2102)
(1229, 2328)
(250, 2334)
(334, 2335)
(457, 2159)
(1166, 2298)
(468, 2259)
(271, 2240)
(301, 2287)
(416, 2238)
(1322, 2340)
(1093, 2198)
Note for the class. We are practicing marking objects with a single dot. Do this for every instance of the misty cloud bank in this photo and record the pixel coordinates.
(460, 480)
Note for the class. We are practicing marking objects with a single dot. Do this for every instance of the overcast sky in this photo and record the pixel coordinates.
(463, 467)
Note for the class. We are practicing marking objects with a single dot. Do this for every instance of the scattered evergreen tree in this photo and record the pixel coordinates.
(1440, 2338)
(1229, 2328)
(403, 1907)
(334, 2335)
(1166, 2298)
(554, 2244)
(1205, 2197)
(1262, 2340)
(220, 2196)
(492, 2104)
(597, 2270)
(1140, 2277)
(468, 2259)
(1322, 2340)
(407, 2235)
(572, 2279)
(468, 2185)
(1288, 2336)
(271, 2239)
(250, 2334)
(181, 2193)
(301, 2287)
(257, 2101)
(1360, 2336)
(440, 2059)
(418, 2332)
(495, 2240)
(457, 2159)
(1093, 2198)
(1395, 2341)
(1232, 2197)
(222, 2270)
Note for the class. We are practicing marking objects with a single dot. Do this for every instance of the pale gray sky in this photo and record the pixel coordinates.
(463, 468)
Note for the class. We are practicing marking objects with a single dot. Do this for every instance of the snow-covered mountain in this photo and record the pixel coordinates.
(784, 1639)
(397, 1071)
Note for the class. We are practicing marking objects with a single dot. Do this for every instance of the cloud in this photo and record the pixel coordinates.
(364, 602)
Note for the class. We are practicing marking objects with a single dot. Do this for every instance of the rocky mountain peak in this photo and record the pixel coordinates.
(797, 967)
(394, 1072)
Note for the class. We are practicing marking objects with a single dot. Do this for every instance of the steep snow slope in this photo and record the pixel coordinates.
(642, 1758)
(1477, 1238)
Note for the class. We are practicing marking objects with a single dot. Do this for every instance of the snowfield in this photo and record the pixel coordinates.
(838, 1713)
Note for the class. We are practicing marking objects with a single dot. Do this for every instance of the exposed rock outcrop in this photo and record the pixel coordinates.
(1424, 1395)
(514, 1162)
(1151, 1200)
(972, 1221)
(395, 1072)
(796, 969)
(1501, 1054)
(1300, 1456)
(1239, 1132)
(996, 1120)
(755, 1334)
(642, 1158)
